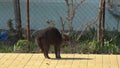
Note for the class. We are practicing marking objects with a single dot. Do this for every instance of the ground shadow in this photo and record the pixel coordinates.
(72, 59)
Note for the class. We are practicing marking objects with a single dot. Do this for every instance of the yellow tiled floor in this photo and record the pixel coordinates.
(24, 60)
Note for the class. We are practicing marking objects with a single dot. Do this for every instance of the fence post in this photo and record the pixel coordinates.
(103, 22)
(28, 23)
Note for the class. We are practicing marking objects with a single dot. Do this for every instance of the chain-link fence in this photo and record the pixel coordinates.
(43, 10)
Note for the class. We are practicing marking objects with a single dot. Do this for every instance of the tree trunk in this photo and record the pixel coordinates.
(18, 18)
(101, 25)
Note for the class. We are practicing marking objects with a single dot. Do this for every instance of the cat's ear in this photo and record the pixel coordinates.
(66, 36)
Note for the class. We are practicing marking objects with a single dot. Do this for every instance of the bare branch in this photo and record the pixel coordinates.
(67, 2)
(78, 5)
(87, 26)
(62, 23)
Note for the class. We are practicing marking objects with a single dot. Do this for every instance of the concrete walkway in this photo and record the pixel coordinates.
(24, 60)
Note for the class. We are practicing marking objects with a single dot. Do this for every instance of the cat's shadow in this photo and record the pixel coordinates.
(72, 59)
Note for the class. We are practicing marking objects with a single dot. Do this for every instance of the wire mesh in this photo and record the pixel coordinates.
(43, 10)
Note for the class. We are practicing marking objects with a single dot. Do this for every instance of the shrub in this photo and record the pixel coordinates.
(111, 47)
(5, 49)
(22, 46)
(93, 46)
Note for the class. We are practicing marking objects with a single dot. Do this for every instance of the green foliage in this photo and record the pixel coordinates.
(5, 49)
(86, 44)
(83, 48)
(92, 33)
(66, 49)
(22, 46)
(93, 46)
(110, 46)
(87, 47)
(10, 25)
